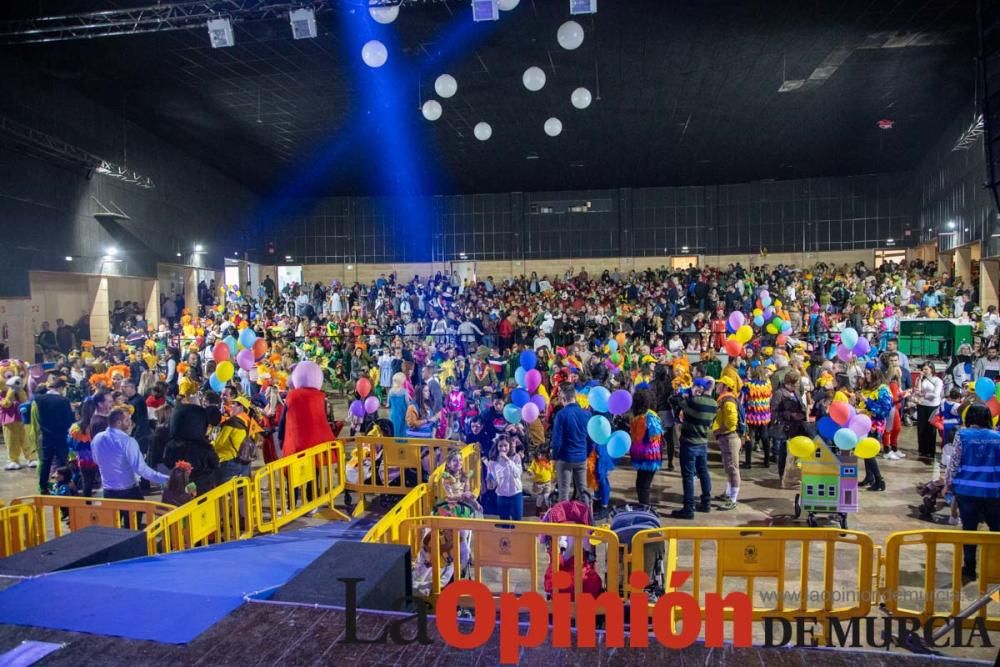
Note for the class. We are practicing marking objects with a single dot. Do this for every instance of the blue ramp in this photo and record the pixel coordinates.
(171, 598)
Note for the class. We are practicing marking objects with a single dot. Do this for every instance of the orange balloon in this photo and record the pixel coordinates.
(733, 347)
(994, 405)
(259, 349)
(620, 338)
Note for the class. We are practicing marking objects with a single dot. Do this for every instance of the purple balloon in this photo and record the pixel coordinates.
(736, 319)
(371, 405)
(539, 402)
(307, 374)
(244, 359)
(769, 312)
(529, 412)
(863, 347)
(532, 379)
(861, 425)
(844, 353)
(358, 409)
(620, 402)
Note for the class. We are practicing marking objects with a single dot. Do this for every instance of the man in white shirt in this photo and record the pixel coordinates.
(117, 455)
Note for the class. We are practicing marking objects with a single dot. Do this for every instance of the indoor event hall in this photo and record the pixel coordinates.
(499, 332)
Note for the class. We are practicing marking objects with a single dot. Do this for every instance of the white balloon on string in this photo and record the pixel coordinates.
(483, 131)
(445, 85)
(581, 98)
(553, 127)
(384, 14)
(431, 110)
(570, 35)
(507, 5)
(374, 53)
(533, 79)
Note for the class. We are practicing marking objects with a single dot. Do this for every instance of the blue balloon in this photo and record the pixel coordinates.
(519, 376)
(845, 439)
(520, 397)
(613, 345)
(827, 428)
(512, 413)
(599, 399)
(619, 444)
(216, 384)
(758, 320)
(528, 360)
(985, 388)
(247, 338)
(231, 344)
(599, 429)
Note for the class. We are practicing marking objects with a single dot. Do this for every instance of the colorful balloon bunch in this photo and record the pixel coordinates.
(247, 352)
(741, 334)
(851, 345)
(367, 404)
(527, 401)
(599, 427)
(846, 428)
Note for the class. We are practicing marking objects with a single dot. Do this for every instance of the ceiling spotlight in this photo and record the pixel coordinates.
(112, 250)
(485, 10)
(236, 254)
(582, 6)
(178, 254)
(685, 249)
(951, 224)
(303, 23)
(220, 33)
(462, 255)
(198, 248)
(68, 258)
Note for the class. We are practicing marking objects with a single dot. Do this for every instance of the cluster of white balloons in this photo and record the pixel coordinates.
(570, 37)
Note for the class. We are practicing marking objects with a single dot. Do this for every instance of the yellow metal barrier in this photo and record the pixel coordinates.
(472, 466)
(939, 591)
(809, 570)
(298, 484)
(489, 551)
(392, 466)
(76, 513)
(416, 503)
(224, 514)
(17, 529)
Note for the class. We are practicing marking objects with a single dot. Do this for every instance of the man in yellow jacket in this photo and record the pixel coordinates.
(726, 426)
(230, 439)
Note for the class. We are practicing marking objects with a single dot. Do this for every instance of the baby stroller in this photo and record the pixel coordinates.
(577, 513)
(626, 522)
(424, 566)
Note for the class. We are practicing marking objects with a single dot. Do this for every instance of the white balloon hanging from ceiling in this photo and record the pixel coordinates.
(534, 79)
(553, 127)
(374, 53)
(581, 98)
(570, 35)
(384, 14)
(483, 131)
(507, 5)
(446, 86)
(431, 110)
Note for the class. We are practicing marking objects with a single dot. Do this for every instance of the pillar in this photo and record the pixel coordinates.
(100, 310)
(16, 323)
(946, 262)
(963, 265)
(191, 289)
(151, 294)
(989, 284)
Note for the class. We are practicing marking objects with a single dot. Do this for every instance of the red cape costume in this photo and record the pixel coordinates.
(305, 421)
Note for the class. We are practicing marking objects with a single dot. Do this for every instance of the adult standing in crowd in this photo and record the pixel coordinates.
(697, 414)
(930, 393)
(570, 443)
(120, 461)
(53, 416)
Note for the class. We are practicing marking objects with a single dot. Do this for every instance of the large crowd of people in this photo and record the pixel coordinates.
(442, 356)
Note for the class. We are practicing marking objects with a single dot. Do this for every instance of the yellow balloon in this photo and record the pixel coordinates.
(867, 448)
(758, 311)
(801, 447)
(777, 303)
(224, 371)
(744, 334)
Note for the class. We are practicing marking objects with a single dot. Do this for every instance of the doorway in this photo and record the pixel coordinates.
(288, 275)
(466, 271)
(682, 262)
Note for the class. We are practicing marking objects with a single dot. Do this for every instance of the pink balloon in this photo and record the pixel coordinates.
(307, 374)
(844, 353)
(245, 360)
(529, 412)
(861, 425)
(371, 405)
(532, 379)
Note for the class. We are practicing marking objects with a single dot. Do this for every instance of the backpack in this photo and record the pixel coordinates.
(248, 450)
(741, 416)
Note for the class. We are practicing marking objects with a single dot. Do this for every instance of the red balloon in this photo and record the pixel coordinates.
(220, 352)
(363, 387)
(734, 347)
(259, 349)
(840, 412)
(782, 339)
(994, 405)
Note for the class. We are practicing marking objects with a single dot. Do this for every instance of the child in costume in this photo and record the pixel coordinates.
(180, 489)
(542, 471)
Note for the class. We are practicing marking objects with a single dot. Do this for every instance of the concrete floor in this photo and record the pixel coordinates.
(762, 503)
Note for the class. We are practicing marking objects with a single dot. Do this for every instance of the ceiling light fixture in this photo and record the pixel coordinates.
(303, 22)
(178, 254)
(198, 248)
(68, 258)
(112, 250)
(582, 7)
(220, 33)
(485, 10)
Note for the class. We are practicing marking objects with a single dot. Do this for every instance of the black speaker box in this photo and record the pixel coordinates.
(383, 568)
(94, 545)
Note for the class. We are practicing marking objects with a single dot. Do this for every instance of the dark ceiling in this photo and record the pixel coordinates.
(685, 93)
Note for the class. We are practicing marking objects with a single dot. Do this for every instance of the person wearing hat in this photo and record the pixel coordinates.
(228, 443)
(697, 414)
(726, 426)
